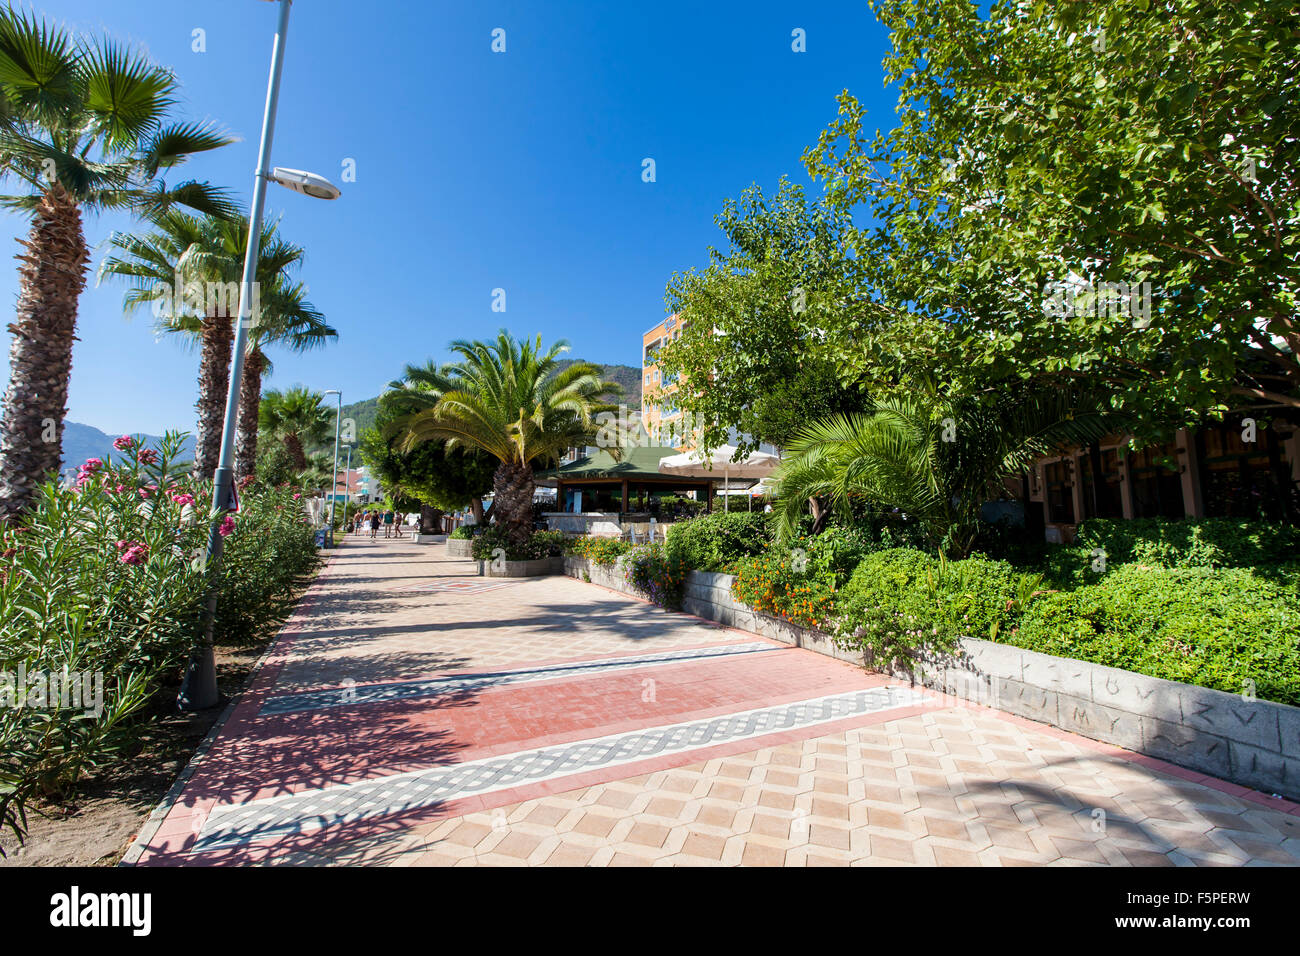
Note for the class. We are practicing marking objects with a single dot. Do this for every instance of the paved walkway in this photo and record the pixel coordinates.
(413, 713)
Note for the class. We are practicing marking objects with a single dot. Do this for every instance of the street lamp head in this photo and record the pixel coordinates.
(301, 181)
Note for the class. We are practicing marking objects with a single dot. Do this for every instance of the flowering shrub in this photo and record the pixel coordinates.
(104, 584)
(786, 584)
(661, 578)
(602, 551)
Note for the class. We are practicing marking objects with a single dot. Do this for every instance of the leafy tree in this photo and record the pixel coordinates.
(84, 126)
(1118, 142)
(757, 320)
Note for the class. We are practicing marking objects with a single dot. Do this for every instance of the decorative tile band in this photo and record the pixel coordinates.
(317, 809)
(440, 686)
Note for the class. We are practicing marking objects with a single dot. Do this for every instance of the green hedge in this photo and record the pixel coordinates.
(1192, 543)
(602, 551)
(1214, 628)
(714, 542)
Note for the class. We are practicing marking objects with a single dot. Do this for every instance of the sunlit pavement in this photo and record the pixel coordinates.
(413, 713)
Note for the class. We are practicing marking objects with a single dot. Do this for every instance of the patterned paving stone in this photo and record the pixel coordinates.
(732, 755)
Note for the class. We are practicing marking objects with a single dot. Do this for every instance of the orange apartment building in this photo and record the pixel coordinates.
(660, 414)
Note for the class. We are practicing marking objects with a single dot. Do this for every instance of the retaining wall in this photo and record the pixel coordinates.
(1255, 743)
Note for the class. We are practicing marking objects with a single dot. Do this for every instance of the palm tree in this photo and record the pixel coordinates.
(511, 400)
(286, 319)
(933, 458)
(188, 269)
(84, 125)
(298, 418)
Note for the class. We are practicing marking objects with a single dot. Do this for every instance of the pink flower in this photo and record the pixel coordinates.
(144, 493)
(120, 488)
(125, 443)
(147, 456)
(92, 465)
(296, 496)
(227, 526)
(132, 552)
(182, 499)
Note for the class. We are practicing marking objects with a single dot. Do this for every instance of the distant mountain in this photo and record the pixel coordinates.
(85, 441)
(625, 375)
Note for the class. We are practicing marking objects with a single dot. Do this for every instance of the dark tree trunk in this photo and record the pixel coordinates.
(51, 276)
(216, 338)
(293, 445)
(430, 519)
(250, 398)
(820, 513)
(476, 509)
(513, 502)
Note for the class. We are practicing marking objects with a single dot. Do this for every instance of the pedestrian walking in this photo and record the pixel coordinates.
(388, 523)
(374, 523)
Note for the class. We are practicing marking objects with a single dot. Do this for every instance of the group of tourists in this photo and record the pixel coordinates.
(371, 520)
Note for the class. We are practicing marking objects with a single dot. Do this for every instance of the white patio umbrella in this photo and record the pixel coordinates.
(692, 464)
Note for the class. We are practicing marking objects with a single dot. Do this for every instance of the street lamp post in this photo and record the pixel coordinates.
(199, 689)
(334, 482)
(347, 486)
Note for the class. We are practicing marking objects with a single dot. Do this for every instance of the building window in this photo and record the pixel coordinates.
(1060, 493)
(1099, 476)
(1245, 479)
(1157, 486)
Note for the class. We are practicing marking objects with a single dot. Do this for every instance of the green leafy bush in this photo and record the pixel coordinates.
(1216, 628)
(715, 541)
(540, 544)
(602, 551)
(900, 600)
(652, 572)
(1192, 543)
(464, 533)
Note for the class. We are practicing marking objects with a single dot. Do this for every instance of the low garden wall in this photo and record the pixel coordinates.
(1254, 743)
(460, 548)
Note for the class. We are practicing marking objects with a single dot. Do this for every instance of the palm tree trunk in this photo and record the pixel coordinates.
(51, 277)
(513, 504)
(430, 519)
(250, 398)
(216, 337)
(293, 445)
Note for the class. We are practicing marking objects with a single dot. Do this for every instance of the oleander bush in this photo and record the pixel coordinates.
(107, 579)
(714, 542)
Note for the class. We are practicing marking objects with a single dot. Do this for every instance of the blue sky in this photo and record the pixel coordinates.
(474, 170)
